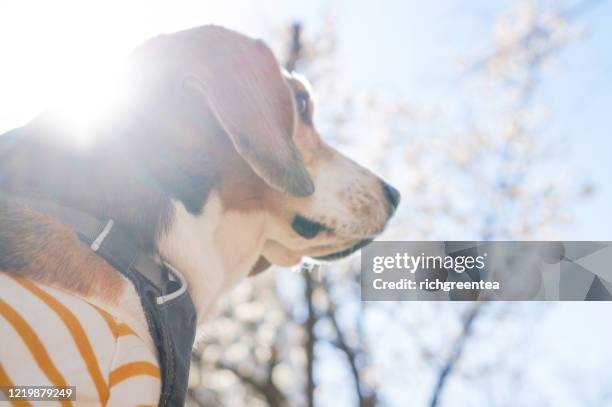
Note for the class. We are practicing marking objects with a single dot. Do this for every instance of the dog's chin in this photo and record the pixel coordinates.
(344, 252)
(280, 255)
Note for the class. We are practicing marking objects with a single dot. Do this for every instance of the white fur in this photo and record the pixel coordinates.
(213, 250)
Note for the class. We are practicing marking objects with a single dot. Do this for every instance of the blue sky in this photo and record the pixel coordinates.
(408, 49)
(414, 48)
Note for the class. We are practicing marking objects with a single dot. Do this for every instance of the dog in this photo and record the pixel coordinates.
(211, 163)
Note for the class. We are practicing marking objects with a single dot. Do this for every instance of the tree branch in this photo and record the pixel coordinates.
(274, 397)
(310, 335)
(351, 356)
(455, 355)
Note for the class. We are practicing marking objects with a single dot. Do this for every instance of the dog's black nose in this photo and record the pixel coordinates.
(392, 194)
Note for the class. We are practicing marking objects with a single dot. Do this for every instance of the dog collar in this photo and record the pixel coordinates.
(167, 305)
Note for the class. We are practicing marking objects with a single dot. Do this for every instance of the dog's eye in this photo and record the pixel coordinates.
(306, 228)
(301, 99)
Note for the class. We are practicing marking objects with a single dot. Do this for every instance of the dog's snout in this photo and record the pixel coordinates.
(393, 195)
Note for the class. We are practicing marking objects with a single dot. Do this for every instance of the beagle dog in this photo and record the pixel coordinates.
(211, 162)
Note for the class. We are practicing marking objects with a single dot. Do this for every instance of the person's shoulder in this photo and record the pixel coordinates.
(135, 374)
(51, 337)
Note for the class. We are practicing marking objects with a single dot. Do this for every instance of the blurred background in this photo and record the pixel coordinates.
(492, 118)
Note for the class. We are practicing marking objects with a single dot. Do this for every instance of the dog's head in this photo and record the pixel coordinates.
(348, 207)
(247, 133)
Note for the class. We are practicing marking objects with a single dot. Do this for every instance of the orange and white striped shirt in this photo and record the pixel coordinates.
(51, 338)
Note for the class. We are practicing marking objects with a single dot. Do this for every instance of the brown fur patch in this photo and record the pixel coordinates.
(261, 265)
(38, 247)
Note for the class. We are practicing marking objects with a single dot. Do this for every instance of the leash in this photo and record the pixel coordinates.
(167, 305)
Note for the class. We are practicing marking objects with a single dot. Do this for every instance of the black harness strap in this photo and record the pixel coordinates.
(167, 306)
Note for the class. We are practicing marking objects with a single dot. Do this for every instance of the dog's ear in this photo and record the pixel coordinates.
(243, 85)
